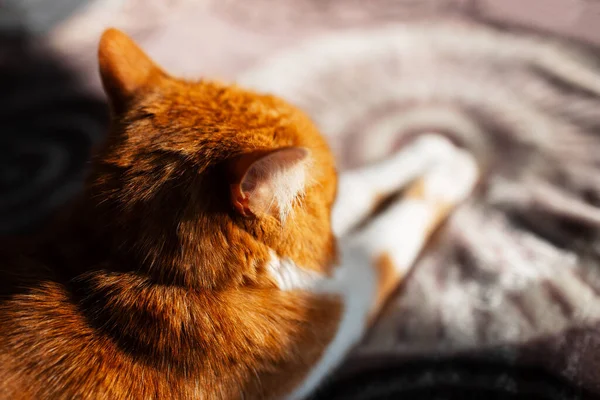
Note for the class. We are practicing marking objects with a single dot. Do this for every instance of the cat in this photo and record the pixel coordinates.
(202, 259)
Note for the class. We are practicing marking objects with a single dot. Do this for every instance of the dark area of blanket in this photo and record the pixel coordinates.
(47, 126)
(450, 380)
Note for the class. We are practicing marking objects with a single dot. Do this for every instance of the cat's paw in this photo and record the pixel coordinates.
(451, 180)
(432, 145)
(416, 157)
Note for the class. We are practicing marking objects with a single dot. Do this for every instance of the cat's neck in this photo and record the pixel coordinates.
(194, 257)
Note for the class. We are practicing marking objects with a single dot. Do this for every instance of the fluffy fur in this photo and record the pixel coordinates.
(135, 291)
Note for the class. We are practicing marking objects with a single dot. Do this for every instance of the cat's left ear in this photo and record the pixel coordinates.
(268, 182)
(124, 68)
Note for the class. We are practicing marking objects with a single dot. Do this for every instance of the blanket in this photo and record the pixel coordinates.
(512, 279)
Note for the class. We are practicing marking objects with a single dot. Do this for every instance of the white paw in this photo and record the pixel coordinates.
(431, 145)
(452, 179)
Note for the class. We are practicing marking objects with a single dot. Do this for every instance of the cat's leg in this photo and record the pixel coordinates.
(360, 190)
(375, 259)
(395, 239)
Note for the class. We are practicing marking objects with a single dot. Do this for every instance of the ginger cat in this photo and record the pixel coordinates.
(201, 260)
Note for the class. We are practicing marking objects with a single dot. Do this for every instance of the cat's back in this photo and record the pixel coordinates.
(37, 319)
(112, 335)
(52, 350)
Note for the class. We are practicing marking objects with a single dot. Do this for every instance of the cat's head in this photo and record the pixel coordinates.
(201, 182)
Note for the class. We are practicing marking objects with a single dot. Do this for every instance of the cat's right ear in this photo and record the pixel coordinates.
(124, 68)
(269, 182)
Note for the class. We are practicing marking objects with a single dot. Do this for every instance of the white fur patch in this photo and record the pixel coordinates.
(355, 281)
(452, 179)
(290, 276)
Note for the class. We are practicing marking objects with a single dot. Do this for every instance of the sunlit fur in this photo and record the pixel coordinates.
(136, 290)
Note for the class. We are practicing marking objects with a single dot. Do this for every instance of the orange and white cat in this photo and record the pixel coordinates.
(202, 260)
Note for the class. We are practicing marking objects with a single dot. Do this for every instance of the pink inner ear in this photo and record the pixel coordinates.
(275, 180)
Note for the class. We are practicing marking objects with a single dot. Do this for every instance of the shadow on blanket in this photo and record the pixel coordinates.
(450, 379)
(47, 127)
